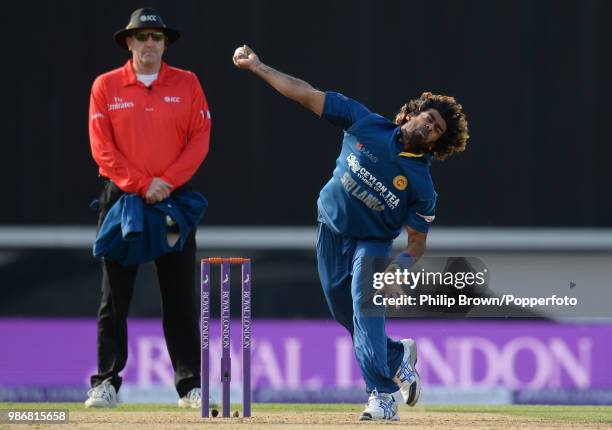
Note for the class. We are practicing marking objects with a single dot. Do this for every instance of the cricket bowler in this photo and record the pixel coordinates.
(381, 184)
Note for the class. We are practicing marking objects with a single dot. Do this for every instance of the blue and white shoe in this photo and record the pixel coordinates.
(381, 407)
(193, 399)
(103, 395)
(407, 376)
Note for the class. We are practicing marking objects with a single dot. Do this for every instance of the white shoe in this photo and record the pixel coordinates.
(102, 396)
(380, 407)
(193, 399)
(407, 376)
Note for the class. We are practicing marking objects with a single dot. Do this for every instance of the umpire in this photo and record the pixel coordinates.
(149, 130)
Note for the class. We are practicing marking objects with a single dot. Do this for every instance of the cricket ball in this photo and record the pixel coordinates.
(214, 413)
(241, 52)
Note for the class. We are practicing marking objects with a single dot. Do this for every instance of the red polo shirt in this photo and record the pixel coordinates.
(138, 133)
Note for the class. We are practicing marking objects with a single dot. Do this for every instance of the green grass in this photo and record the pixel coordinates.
(81, 407)
(590, 414)
(582, 414)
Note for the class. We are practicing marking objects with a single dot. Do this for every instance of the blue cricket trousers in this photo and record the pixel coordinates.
(341, 266)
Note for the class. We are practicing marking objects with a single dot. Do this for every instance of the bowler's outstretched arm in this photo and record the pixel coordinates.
(292, 88)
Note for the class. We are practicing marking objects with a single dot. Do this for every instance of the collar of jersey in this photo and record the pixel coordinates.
(129, 76)
(409, 155)
(405, 154)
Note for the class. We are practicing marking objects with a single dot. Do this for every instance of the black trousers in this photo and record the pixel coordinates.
(180, 311)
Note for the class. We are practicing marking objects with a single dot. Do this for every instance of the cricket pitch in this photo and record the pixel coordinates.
(332, 416)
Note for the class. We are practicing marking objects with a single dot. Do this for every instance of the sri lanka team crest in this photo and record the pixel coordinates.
(400, 182)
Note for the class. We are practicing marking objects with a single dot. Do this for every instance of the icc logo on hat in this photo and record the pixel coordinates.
(146, 18)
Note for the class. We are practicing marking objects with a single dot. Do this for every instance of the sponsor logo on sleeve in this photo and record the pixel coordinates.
(427, 218)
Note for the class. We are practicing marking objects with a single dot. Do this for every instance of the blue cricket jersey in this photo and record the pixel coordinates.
(374, 191)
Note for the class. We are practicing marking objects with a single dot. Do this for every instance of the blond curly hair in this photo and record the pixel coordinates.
(456, 135)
